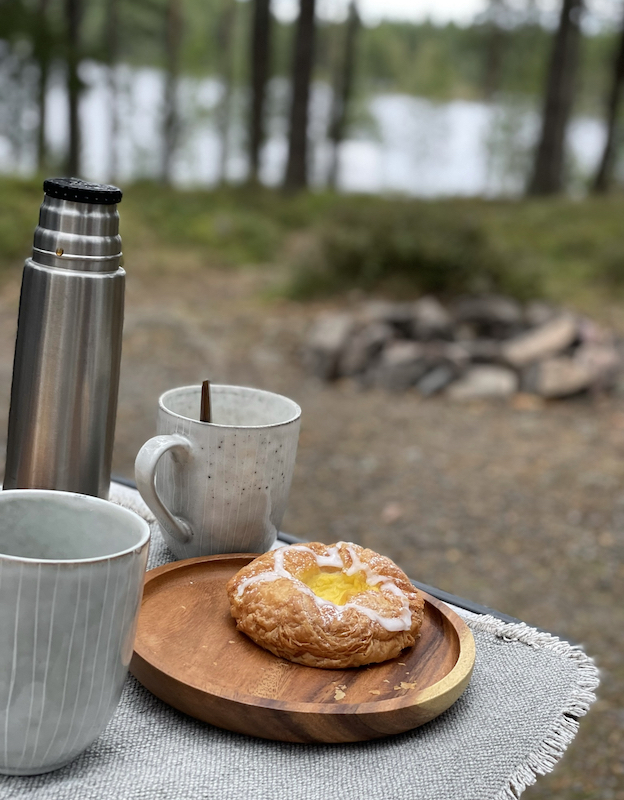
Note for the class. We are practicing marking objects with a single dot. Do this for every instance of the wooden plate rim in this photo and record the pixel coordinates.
(459, 674)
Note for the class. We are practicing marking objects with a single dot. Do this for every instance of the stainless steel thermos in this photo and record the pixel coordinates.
(68, 348)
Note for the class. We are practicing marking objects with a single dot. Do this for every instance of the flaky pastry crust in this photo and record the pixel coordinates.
(278, 611)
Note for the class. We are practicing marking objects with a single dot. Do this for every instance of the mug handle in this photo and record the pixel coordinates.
(145, 474)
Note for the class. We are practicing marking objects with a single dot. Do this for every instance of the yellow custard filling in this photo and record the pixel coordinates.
(335, 586)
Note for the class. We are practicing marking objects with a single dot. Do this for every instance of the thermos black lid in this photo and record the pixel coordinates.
(81, 191)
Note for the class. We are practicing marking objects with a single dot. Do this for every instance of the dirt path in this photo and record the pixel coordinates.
(522, 510)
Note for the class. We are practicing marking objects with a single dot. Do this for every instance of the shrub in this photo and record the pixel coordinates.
(400, 247)
(19, 210)
(609, 268)
(228, 231)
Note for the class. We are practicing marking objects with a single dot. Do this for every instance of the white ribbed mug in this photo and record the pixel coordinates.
(71, 580)
(222, 486)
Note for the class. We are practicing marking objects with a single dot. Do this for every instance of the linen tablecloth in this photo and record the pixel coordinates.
(513, 723)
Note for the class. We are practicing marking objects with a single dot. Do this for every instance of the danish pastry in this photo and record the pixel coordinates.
(330, 606)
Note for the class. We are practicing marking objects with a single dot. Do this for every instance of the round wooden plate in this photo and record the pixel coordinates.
(189, 654)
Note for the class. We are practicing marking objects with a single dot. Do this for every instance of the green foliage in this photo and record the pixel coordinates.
(597, 57)
(405, 246)
(610, 265)
(449, 61)
(572, 247)
(426, 60)
(559, 248)
(228, 230)
(19, 207)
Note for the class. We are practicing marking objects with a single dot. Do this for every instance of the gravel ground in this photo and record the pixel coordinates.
(517, 506)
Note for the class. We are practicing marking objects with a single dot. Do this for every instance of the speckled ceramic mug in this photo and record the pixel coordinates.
(71, 579)
(221, 486)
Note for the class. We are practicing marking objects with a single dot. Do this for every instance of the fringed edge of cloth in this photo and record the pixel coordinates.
(564, 728)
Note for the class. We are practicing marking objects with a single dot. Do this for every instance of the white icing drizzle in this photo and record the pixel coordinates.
(400, 622)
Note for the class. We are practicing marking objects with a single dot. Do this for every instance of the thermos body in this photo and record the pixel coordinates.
(68, 349)
(64, 394)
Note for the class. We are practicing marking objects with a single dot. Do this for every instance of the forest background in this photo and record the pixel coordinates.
(505, 57)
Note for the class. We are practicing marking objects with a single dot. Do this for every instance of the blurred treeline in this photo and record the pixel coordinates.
(508, 51)
(423, 59)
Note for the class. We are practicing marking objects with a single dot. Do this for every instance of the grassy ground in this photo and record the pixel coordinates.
(568, 250)
(519, 508)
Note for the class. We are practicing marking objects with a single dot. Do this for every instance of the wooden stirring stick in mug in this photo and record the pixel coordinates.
(204, 413)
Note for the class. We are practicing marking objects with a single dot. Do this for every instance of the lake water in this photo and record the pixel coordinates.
(402, 144)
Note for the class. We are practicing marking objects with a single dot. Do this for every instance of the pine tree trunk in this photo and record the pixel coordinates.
(604, 176)
(225, 66)
(112, 51)
(171, 123)
(73, 15)
(42, 54)
(342, 92)
(260, 67)
(303, 60)
(548, 169)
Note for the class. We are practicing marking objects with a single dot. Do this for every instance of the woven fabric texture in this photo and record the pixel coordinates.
(513, 723)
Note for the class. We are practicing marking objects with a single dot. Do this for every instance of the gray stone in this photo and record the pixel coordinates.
(592, 366)
(399, 315)
(488, 310)
(430, 320)
(363, 347)
(482, 351)
(562, 377)
(537, 312)
(592, 333)
(529, 376)
(542, 342)
(602, 360)
(453, 353)
(325, 342)
(484, 382)
(466, 331)
(436, 380)
(401, 365)
(401, 352)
